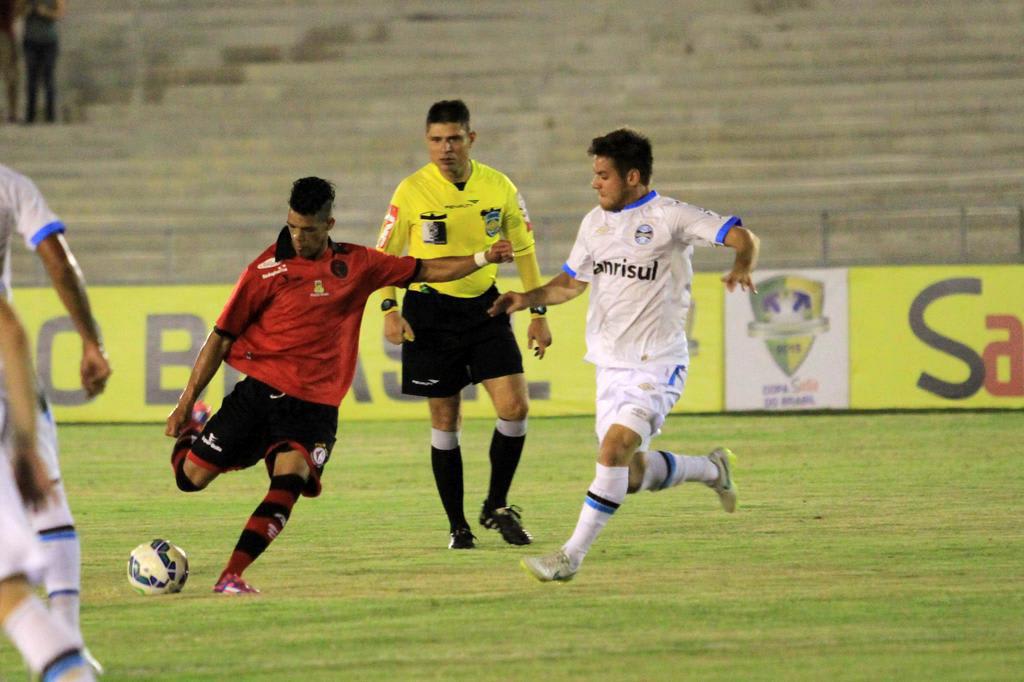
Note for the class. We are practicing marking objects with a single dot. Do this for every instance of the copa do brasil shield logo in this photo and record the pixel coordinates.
(788, 316)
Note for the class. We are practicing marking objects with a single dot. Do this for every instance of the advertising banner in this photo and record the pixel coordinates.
(153, 335)
(937, 337)
(786, 345)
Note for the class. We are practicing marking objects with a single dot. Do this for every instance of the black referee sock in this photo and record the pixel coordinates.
(447, 465)
(505, 453)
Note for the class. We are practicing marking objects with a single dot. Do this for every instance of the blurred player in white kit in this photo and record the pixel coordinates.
(25, 212)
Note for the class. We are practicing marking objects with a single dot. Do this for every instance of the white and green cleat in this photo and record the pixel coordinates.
(724, 485)
(555, 567)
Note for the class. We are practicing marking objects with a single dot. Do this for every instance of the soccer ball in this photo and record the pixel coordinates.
(157, 567)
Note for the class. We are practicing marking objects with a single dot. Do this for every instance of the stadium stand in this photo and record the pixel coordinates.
(843, 131)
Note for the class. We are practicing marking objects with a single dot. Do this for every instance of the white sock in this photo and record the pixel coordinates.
(43, 640)
(59, 539)
(444, 440)
(512, 429)
(604, 496)
(62, 575)
(664, 470)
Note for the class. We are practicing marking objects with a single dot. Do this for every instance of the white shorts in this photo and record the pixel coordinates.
(46, 437)
(20, 548)
(638, 399)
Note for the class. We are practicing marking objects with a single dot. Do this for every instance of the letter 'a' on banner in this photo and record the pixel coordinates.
(787, 346)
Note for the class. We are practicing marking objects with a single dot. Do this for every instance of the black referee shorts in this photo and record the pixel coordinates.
(256, 421)
(457, 343)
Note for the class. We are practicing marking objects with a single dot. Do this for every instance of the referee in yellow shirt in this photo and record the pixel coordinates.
(457, 206)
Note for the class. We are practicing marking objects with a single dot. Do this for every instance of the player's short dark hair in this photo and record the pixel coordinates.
(449, 111)
(627, 149)
(312, 196)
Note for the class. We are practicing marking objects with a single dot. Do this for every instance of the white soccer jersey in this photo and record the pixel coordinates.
(23, 210)
(637, 261)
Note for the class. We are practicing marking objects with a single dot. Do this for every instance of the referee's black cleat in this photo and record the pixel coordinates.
(462, 538)
(506, 520)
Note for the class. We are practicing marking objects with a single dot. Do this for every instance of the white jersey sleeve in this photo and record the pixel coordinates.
(23, 209)
(699, 226)
(580, 264)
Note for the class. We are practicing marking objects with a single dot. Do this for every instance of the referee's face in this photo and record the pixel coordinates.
(309, 234)
(449, 145)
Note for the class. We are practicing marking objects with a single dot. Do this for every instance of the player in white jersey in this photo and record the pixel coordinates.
(635, 250)
(24, 212)
(50, 648)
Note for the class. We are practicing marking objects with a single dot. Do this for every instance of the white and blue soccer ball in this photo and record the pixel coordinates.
(157, 567)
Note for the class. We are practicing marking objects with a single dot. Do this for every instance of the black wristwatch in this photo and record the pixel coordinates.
(387, 304)
(539, 310)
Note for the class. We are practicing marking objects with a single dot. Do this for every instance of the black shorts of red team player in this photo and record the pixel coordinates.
(256, 422)
(457, 343)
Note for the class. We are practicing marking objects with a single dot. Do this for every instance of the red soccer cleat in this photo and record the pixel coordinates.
(200, 415)
(234, 584)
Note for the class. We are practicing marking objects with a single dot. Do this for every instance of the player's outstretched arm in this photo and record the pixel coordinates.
(747, 247)
(29, 473)
(69, 284)
(456, 267)
(560, 289)
(211, 355)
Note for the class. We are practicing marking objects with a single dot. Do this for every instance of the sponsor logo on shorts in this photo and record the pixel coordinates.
(211, 441)
(428, 382)
(319, 454)
(640, 413)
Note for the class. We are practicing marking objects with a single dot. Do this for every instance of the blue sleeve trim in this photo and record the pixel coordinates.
(45, 231)
(724, 230)
(569, 271)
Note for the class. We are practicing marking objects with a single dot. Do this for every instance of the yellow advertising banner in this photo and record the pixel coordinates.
(937, 337)
(153, 334)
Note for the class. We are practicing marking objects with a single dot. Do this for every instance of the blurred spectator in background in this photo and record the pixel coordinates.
(41, 44)
(9, 57)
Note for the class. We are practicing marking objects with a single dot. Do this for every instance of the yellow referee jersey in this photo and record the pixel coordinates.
(429, 217)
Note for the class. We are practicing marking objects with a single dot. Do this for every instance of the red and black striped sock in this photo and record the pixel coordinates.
(266, 522)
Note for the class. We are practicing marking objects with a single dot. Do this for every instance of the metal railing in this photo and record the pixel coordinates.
(214, 254)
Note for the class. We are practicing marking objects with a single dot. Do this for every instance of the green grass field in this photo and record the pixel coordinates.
(867, 547)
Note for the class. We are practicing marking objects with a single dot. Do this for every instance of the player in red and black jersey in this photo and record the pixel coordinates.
(291, 326)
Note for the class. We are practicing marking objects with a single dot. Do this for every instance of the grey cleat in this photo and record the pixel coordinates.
(551, 567)
(90, 660)
(724, 485)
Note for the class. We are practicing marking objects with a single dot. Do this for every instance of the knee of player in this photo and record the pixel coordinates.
(515, 412)
(637, 469)
(619, 446)
(291, 462)
(191, 478)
